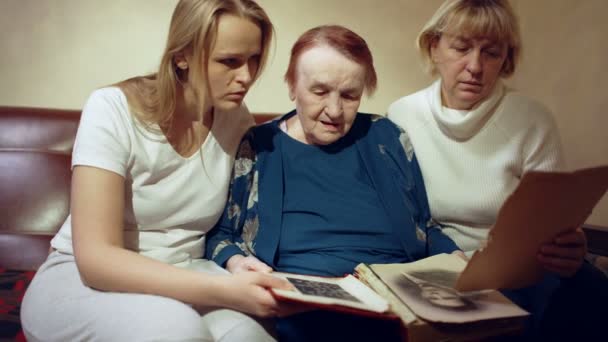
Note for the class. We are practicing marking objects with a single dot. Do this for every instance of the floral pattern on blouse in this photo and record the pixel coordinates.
(242, 173)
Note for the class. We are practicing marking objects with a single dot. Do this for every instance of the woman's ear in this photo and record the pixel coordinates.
(292, 92)
(180, 60)
(433, 49)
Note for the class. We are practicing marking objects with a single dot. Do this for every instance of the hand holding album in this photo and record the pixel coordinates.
(544, 205)
(338, 294)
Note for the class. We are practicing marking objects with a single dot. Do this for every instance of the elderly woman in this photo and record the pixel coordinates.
(475, 138)
(324, 187)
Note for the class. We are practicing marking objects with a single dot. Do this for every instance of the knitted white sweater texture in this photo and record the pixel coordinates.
(473, 160)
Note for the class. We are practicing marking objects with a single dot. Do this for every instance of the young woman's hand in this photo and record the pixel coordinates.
(565, 255)
(249, 292)
(239, 263)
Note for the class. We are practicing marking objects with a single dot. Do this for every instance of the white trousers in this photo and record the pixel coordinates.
(59, 307)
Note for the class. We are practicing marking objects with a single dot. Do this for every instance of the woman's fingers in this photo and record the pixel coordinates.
(254, 294)
(573, 237)
(560, 260)
(568, 245)
(565, 255)
(268, 281)
(239, 264)
(254, 264)
(557, 251)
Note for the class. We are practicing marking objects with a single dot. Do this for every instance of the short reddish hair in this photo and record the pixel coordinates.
(343, 40)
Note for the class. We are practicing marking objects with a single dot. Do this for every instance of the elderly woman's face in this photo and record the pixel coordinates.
(469, 68)
(327, 93)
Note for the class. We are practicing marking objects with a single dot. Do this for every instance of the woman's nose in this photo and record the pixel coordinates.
(474, 62)
(333, 106)
(244, 74)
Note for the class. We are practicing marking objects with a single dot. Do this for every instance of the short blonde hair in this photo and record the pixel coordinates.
(494, 19)
(193, 31)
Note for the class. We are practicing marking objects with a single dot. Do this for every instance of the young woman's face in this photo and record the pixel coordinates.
(233, 61)
(327, 93)
(468, 66)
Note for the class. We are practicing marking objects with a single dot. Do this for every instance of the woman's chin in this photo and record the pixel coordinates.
(466, 100)
(325, 138)
(227, 105)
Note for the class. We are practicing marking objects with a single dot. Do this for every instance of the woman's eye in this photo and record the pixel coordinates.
(231, 62)
(460, 48)
(493, 53)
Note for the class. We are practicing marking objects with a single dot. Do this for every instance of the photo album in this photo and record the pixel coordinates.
(347, 294)
(444, 289)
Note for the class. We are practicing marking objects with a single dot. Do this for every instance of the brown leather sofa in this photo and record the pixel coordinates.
(35, 155)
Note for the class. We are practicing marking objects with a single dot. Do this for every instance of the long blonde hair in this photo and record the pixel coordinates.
(152, 99)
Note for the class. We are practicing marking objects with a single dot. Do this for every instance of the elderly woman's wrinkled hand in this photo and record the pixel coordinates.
(565, 255)
(239, 263)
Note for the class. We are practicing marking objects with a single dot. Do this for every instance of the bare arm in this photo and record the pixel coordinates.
(97, 206)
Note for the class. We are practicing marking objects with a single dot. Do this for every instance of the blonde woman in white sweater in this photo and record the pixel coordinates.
(475, 138)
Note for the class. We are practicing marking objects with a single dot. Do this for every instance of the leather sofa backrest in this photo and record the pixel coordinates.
(35, 174)
(35, 156)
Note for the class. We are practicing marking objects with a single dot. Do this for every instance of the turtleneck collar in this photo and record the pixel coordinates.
(463, 124)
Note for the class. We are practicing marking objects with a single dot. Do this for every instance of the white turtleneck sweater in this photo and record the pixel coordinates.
(473, 160)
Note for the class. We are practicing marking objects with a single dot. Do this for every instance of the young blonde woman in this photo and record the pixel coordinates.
(476, 138)
(151, 166)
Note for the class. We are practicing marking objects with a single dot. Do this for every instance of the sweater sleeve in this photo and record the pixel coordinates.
(542, 148)
(225, 239)
(529, 124)
(437, 242)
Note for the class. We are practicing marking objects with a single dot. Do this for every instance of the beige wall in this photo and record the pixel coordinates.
(55, 52)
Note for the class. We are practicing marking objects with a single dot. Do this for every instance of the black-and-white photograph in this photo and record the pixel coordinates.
(436, 276)
(317, 288)
(435, 288)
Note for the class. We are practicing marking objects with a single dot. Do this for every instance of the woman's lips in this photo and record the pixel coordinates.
(332, 126)
(239, 95)
(471, 86)
(472, 83)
